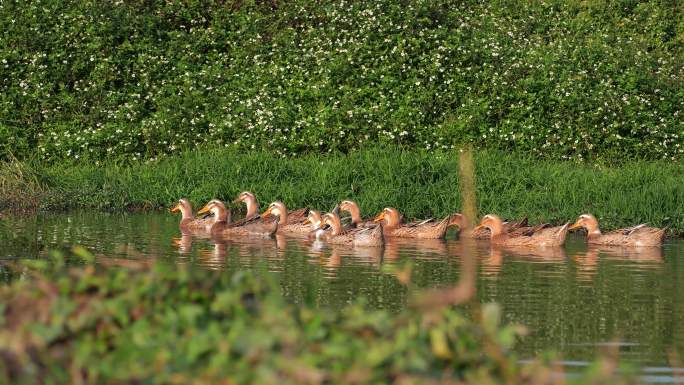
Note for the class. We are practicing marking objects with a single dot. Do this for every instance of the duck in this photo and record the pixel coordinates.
(540, 236)
(288, 222)
(364, 236)
(223, 227)
(635, 236)
(353, 209)
(427, 229)
(460, 221)
(188, 222)
(251, 202)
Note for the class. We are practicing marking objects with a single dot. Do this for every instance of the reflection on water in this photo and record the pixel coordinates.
(573, 299)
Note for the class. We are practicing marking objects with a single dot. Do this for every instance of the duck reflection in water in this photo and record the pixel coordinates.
(492, 263)
(343, 254)
(183, 244)
(643, 258)
(415, 248)
(214, 258)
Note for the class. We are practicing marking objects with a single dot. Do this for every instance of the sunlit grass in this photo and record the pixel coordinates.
(419, 184)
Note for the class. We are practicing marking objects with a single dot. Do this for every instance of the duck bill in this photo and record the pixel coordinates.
(176, 208)
(379, 218)
(203, 210)
(307, 221)
(266, 213)
(575, 226)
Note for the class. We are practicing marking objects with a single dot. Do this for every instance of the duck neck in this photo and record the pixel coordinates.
(593, 229)
(252, 207)
(335, 224)
(186, 212)
(282, 215)
(496, 228)
(355, 212)
(392, 220)
(221, 215)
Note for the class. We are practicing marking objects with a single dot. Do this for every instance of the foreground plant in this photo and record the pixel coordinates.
(128, 322)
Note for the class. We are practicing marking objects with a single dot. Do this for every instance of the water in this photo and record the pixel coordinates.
(574, 300)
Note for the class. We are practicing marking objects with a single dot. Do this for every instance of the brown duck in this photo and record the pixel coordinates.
(288, 222)
(539, 236)
(188, 222)
(427, 229)
(636, 236)
(459, 220)
(222, 226)
(364, 236)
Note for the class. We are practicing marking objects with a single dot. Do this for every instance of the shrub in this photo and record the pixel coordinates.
(140, 79)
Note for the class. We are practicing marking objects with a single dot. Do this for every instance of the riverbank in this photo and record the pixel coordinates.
(420, 184)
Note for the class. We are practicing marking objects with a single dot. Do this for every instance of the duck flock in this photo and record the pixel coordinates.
(329, 227)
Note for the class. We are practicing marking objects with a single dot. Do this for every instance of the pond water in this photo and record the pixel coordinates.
(574, 300)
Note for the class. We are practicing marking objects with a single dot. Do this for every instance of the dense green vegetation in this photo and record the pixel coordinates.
(419, 184)
(139, 79)
(168, 324)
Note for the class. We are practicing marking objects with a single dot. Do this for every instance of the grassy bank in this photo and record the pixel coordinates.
(140, 79)
(166, 324)
(420, 184)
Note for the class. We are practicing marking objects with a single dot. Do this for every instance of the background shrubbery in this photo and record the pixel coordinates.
(137, 79)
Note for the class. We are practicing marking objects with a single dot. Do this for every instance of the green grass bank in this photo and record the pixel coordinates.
(131, 80)
(166, 324)
(420, 184)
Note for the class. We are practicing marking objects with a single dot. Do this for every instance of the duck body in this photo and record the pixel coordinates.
(255, 227)
(540, 236)
(636, 236)
(427, 229)
(458, 220)
(294, 223)
(246, 227)
(364, 236)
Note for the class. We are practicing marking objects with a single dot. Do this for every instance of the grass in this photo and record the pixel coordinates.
(419, 184)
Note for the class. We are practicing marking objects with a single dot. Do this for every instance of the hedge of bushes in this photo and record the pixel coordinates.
(137, 79)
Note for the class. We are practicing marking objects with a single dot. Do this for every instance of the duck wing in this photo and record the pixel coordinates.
(297, 216)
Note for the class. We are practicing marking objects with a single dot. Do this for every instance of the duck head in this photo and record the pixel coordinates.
(588, 222)
(492, 222)
(332, 220)
(390, 217)
(352, 208)
(250, 201)
(278, 209)
(314, 219)
(218, 209)
(459, 220)
(184, 207)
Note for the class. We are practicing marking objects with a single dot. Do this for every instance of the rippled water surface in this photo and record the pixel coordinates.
(574, 300)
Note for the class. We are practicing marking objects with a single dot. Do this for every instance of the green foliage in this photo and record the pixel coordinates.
(420, 184)
(171, 324)
(140, 79)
